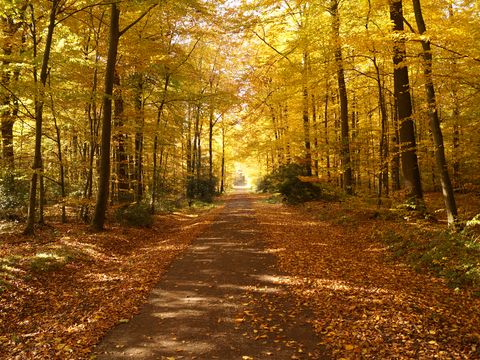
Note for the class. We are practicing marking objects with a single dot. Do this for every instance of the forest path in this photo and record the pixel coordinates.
(222, 299)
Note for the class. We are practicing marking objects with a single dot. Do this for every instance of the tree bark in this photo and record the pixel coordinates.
(98, 220)
(383, 175)
(139, 139)
(60, 162)
(222, 179)
(306, 119)
(155, 142)
(411, 171)
(39, 103)
(342, 91)
(120, 143)
(447, 188)
(10, 104)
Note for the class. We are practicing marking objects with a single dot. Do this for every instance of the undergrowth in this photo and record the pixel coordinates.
(453, 256)
(136, 215)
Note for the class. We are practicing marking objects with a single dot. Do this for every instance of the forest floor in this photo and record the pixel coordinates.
(251, 279)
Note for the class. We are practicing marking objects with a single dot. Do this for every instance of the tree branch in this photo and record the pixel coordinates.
(285, 56)
(145, 13)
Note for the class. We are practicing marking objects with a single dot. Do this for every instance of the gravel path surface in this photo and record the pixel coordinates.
(222, 299)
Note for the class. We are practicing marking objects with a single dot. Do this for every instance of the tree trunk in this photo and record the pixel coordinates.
(315, 134)
(342, 91)
(395, 148)
(155, 143)
(210, 144)
(383, 175)
(120, 143)
(7, 101)
(39, 103)
(441, 161)
(139, 139)
(306, 120)
(60, 162)
(325, 126)
(456, 115)
(222, 179)
(98, 220)
(411, 171)
(41, 200)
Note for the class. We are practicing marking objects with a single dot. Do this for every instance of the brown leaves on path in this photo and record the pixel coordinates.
(63, 289)
(367, 307)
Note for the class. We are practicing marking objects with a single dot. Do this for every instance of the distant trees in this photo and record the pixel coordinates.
(342, 88)
(132, 139)
(376, 117)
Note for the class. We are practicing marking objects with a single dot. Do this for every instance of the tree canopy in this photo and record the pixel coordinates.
(142, 101)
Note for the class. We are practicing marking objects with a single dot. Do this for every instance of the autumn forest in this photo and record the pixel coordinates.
(131, 130)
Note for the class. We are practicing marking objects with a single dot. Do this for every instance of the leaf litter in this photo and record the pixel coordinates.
(366, 306)
(63, 289)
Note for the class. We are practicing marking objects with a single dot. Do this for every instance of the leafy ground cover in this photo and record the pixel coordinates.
(380, 283)
(367, 302)
(61, 290)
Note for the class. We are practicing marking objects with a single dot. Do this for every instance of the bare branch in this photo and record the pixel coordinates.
(145, 13)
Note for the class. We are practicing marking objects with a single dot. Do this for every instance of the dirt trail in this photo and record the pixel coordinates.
(222, 299)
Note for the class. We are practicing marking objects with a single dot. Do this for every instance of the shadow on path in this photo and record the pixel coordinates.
(222, 299)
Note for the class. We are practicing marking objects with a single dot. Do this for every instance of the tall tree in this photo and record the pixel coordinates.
(98, 220)
(343, 98)
(39, 104)
(447, 189)
(10, 23)
(411, 171)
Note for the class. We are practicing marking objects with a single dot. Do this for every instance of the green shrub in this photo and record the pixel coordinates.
(287, 180)
(203, 188)
(453, 256)
(136, 215)
(13, 196)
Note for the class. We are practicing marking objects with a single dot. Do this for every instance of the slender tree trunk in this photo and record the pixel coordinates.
(139, 139)
(456, 142)
(411, 171)
(210, 144)
(90, 149)
(395, 148)
(383, 175)
(306, 119)
(60, 162)
(189, 157)
(98, 220)
(120, 143)
(447, 188)
(222, 179)
(456, 116)
(315, 134)
(342, 91)
(326, 134)
(155, 142)
(276, 133)
(9, 102)
(198, 145)
(288, 153)
(39, 103)
(41, 200)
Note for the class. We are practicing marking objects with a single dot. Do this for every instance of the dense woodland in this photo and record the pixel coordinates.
(111, 103)
(134, 115)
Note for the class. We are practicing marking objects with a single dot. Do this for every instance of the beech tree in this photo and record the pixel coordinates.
(115, 33)
(342, 92)
(411, 171)
(39, 104)
(447, 189)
